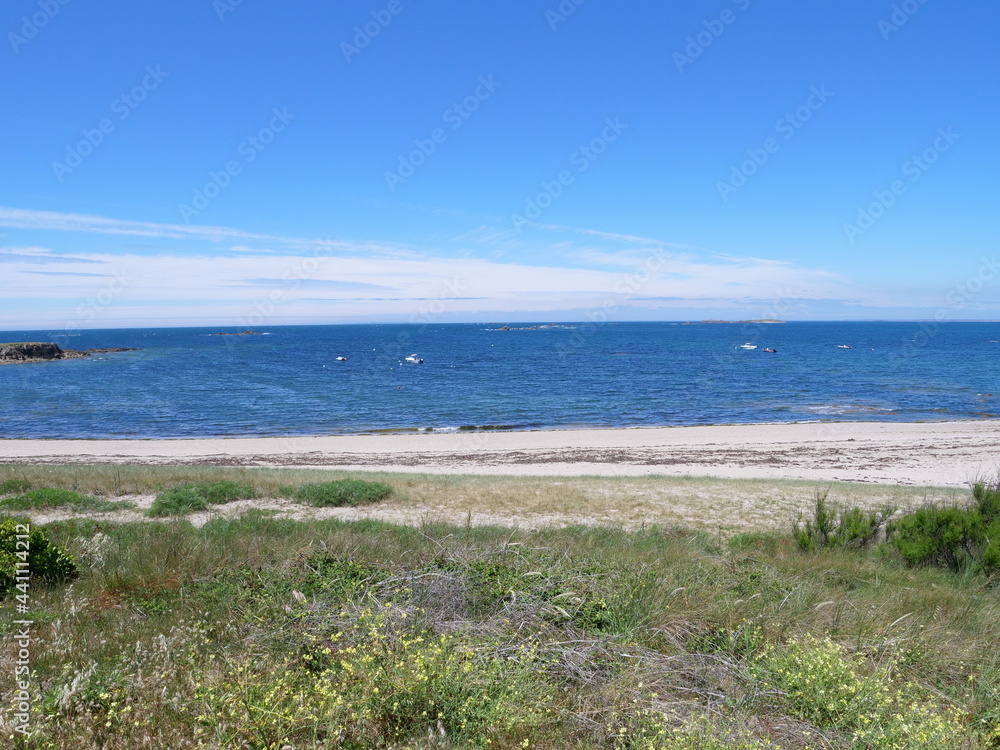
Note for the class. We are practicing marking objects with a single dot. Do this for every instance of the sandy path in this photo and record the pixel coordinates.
(926, 453)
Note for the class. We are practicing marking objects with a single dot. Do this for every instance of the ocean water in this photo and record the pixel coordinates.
(189, 383)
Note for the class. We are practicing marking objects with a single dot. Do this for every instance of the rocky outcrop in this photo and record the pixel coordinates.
(29, 352)
(34, 351)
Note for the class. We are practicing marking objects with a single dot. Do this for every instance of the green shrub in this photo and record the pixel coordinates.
(46, 562)
(343, 492)
(991, 555)
(178, 501)
(11, 486)
(840, 527)
(53, 498)
(987, 499)
(950, 537)
(218, 493)
(190, 498)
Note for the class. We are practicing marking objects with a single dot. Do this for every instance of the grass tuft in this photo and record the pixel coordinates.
(190, 498)
(341, 493)
(12, 486)
(48, 499)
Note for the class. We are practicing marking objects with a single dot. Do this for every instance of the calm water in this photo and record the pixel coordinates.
(187, 383)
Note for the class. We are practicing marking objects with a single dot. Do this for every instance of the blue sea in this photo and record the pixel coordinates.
(190, 383)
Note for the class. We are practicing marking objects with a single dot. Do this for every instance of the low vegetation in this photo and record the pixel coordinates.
(702, 503)
(189, 498)
(259, 632)
(959, 537)
(49, 499)
(27, 548)
(341, 493)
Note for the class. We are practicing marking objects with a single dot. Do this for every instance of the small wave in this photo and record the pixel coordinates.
(841, 409)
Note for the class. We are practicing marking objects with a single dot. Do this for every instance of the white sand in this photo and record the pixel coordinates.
(927, 453)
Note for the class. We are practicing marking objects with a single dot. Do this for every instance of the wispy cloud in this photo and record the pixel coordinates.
(218, 276)
(19, 218)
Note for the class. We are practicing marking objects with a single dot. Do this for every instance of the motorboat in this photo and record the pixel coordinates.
(843, 346)
(413, 359)
(341, 359)
(748, 346)
(769, 349)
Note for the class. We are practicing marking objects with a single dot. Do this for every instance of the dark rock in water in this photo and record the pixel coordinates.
(29, 351)
(33, 351)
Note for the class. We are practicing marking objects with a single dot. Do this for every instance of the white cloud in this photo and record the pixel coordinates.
(357, 281)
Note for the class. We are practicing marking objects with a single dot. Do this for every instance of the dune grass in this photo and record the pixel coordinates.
(48, 499)
(260, 632)
(189, 498)
(722, 506)
(341, 493)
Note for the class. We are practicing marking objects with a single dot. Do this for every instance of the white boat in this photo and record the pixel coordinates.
(843, 346)
(341, 359)
(413, 359)
(748, 345)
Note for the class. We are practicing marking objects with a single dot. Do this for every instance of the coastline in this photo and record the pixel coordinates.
(949, 454)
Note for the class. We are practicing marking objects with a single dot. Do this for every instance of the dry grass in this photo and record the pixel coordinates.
(721, 506)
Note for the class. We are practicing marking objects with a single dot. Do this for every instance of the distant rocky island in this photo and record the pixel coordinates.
(25, 352)
(732, 322)
(532, 328)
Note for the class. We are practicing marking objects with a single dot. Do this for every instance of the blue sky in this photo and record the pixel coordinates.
(231, 163)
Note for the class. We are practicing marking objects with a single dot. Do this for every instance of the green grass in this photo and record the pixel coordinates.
(52, 499)
(259, 632)
(13, 486)
(189, 498)
(341, 493)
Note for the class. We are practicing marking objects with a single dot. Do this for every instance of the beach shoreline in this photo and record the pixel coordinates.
(911, 453)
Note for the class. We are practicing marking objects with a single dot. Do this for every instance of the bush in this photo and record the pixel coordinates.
(218, 493)
(343, 492)
(840, 527)
(987, 499)
(52, 498)
(46, 561)
(189, 498)
(950, 537)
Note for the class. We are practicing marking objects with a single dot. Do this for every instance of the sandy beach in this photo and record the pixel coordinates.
(948, 454)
